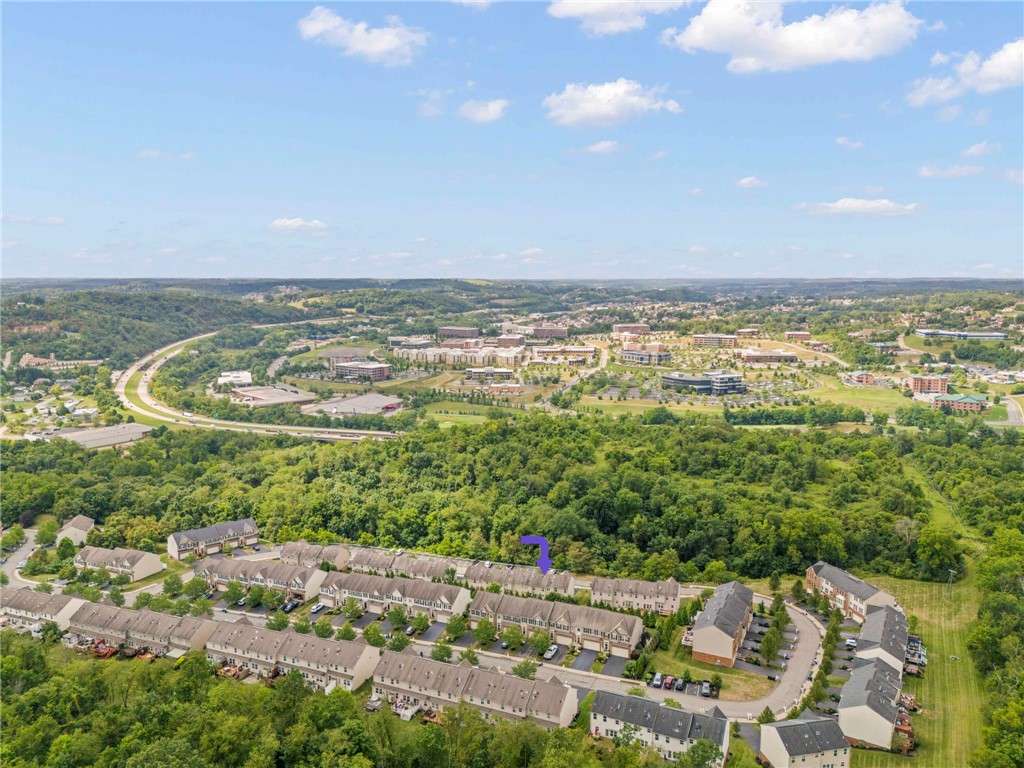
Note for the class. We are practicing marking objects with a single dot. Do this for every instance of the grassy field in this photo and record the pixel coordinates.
(619, 407)
(449, 413)
(737, 684)
(868, 398)
(173, 567)
(740, 753)
(996, 413)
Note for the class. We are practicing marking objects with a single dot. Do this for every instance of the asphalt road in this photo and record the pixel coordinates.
(10, 567)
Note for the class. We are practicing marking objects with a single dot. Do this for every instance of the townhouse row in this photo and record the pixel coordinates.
(379, 593)
(133, 563)
(294, 581)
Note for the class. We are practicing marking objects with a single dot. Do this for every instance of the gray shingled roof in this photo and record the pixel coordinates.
(845, 581)
(727, 609)
(809, 734)
(885, 628)
(81, 523)
(874, 684)
(667, 721)
(215, 532)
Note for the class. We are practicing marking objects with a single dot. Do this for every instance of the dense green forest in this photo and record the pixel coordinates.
(122, 326)
(623, 497)
(64, 712)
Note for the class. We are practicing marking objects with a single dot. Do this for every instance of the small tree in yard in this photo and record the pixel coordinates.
(441, 652)
(525, 669)
(766, 716)
(196, 587)
(277, 621)
(173, 585)
(255, 596)
(234, 592)
(484, 632)
(513, 635)
(323, 628)
(636, 692)
(351, 609)
(399, 642)
(775, 581)
(539, 640)
(116, 596)
(396, 617)
(716, 681)
(468, 654)
(346, 632)
(303, 625)
(374, 636)
(457, 626)
(420, 623)
(687, 677)
(798, 591)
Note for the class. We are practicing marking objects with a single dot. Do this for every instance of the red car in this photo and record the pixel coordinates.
(668, 683)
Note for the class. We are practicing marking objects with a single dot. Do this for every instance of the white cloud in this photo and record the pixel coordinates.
(500, 256)
(393, 45)
(846, 143)
(1003, 69)
(528, 253)
(484, 111)
(949, 172)
(696, 191)
(981, 117)
(433, 101)
(950, 112)
(156, 154)
(753, 34)
(49, 221)
(985, 265)
(605, 147)
(1015, 176)
(610, 17)
(750, 182)
(606, 103)
(421, 239)
(859, 206)
(981, 149)
(296, 225)
(939, 59)
(479, 4)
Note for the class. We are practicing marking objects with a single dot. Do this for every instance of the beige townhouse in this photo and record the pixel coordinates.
(133, 563)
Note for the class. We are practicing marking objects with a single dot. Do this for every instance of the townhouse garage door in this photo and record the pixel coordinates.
(591, 645)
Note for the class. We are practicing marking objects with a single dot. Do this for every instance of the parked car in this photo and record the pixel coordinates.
(255, 547)
(317, 608)
(241, 602)
(851, 642)
(705, 688)
(21, 564)
(656, 680)
(669, 683)
(549, 654)
(680, 685)
(504, 645)
(288, 607)
(409, 631)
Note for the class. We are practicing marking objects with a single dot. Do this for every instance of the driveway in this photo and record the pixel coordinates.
(615, 666)
(434, 631)
(585, 660)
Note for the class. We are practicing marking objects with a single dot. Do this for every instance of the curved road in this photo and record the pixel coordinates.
(154, 409)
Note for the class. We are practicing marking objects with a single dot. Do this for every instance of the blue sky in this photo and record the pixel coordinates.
(524, 140)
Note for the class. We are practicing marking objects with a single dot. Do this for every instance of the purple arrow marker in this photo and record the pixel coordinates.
(543, 562)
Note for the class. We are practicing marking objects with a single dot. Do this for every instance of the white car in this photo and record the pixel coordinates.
(317, 608)
(22, 564)
(549, 654)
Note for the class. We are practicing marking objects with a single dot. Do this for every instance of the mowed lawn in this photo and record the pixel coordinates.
(951, 695)
(868, 398)
(737, 684)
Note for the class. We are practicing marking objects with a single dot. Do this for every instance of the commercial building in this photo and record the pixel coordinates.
(640, 329)
(482, 356)
(106, 437)
(961, 403)
(457, 332)
(215, 538)
(863, 377)
(766, 356)
(798, 335)
(134, 563)
(314, 555)
(810, 740)
(709, 383)
(410, 342)
(563, 350)
(565, 623)
(670, 731)
(410, 682)
(636, 595)
(819, 346)
(371, 403)
(337, 355)
(362, 371)
(51, 362)
(932, 333)
(929, 385)
(884, 636)
(748, 333)
(868, 705)
(536, 330)
(379, 593)
(845, 591)
(460, 343)
(489, 374)
(719, 629)
(234, 378)
(510, 340)
(714, 340)
(263, 397)
(27, 610)
(645, 354)
(76, 529)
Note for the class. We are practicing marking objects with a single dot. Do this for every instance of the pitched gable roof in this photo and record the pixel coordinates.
(809, 734)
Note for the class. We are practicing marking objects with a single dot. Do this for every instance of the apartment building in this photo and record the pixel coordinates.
(798, 335)
(671, 732)
(489, 374)
(633, 594)
(457, 332)
(566, 623)
(845, 591)
(766, 356)
(748, 333)
(26, 610)
(639, 329)
(929, 385)
(961, 403)
(101, 622)
(536, 330)
(556, 351)
(215, 538)
(295, 581)
(867, 705)
(510, 340)
(327, 663)
(134, 563)
(314, 555)
(379, 593)
(720, 627)
(76, 529)
(809, 741)
(407, 678)
(714, 340)
(865, 378)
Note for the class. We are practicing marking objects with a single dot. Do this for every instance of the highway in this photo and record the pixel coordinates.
(154, 409)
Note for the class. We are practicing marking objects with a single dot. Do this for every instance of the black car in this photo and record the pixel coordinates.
(680, 685)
